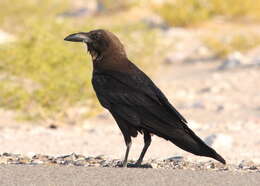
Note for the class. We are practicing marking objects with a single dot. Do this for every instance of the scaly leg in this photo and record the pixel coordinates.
(128, 146)
(147, 142)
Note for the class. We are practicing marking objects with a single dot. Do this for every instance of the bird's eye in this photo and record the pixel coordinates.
(96, 36)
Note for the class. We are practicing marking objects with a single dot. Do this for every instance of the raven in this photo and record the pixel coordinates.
(132, 98)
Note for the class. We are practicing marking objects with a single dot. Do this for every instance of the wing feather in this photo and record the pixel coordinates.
(136, 92)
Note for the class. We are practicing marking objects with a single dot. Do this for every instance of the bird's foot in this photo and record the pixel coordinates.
(139, 165)
(138, 162)
(124, 165)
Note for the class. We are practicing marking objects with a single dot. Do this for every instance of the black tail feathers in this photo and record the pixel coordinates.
(217, 157)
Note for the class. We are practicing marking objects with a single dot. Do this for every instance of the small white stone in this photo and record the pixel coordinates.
(30, 154)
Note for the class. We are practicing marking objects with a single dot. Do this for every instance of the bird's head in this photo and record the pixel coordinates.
(100, 43)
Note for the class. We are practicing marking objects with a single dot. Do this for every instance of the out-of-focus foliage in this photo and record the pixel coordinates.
(184, 12)
(114, 5)
(236, 8)
(190, 12)
(58, 73)
(236, 42)
(16, 14)
(43, 76)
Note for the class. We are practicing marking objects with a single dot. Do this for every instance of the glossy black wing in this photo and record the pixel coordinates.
(137, 93)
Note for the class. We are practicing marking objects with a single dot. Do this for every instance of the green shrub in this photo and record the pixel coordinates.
(43, 76)
(59, 73)
(236, 42)
(116, 5)
(184, 12)
(190, 12)
(236, 8)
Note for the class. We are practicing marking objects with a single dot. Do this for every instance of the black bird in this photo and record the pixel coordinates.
(132, 98)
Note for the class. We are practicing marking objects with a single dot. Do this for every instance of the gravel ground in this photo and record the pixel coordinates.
(107, 140)
(40, 145)
(102, 161)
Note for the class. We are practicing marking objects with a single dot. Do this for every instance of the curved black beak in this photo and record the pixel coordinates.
(78, 37)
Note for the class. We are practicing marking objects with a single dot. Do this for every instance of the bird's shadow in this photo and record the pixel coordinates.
(133, 165)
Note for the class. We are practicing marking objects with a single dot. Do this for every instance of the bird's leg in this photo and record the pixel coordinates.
(147, 142)
(128, 146)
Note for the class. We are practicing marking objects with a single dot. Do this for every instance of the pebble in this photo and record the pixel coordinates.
(176, 162)
(247, 165)
(37, 161)
(175, 158)
(233, 60)
(155, 21)
(237, 59)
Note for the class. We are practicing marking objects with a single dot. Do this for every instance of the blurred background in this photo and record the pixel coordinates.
(204, 54)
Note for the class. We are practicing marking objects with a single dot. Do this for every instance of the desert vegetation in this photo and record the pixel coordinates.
(42, 76)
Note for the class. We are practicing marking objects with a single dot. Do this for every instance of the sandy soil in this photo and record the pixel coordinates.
(61, 175)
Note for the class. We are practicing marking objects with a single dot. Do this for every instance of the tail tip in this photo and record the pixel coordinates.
(223, 161)
(220, 159)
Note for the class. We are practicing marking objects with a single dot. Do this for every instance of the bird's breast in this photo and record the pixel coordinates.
(99, 80)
